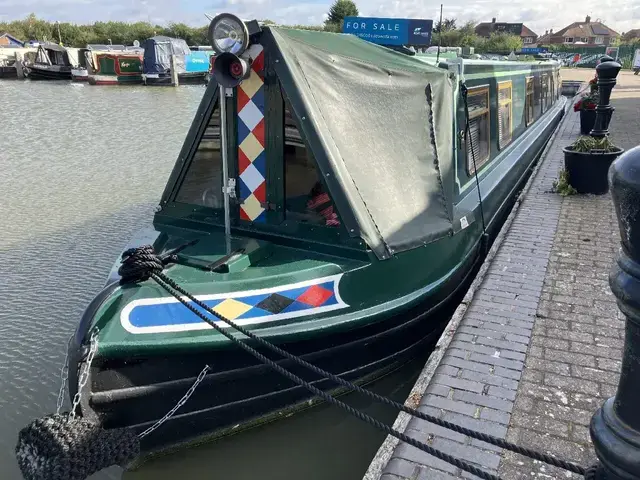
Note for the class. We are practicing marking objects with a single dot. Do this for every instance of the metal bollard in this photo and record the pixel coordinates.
(607, 73)
(615, 427)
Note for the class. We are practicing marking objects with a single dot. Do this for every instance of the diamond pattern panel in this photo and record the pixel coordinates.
(279, 303)
(251, 161)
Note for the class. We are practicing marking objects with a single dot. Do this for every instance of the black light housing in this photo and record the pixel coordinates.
(228, 34)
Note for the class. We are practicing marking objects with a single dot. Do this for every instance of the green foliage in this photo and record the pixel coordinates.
(337, 12)
(448, 25)
(586, 144)
(72, 35)
(501, 43)
(562, 185)
(449, 35)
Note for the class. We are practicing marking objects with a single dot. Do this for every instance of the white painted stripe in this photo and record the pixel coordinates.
(129, 327)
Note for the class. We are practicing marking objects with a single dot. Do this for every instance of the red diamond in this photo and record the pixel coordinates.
(315, 296)
(243, 99)
(258, 63)
(258, 132)
(243, 161)
(261, 192)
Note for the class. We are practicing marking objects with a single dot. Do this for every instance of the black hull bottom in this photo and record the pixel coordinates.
(183, 79)
(41, 74)
(8, 72)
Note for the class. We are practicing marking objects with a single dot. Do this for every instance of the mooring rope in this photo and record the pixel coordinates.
(134, 259)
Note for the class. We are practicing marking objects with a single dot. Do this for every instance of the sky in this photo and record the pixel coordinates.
(539, 15)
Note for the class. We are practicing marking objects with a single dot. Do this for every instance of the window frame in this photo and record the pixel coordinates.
(598, 37)
(480, 163)
(568, 39)
(544, 90)
(283, 102)
(503, 86)
(527, 81)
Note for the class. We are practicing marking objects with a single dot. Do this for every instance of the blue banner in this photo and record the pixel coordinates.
(532, 50)
(197, 62)
(390, 31)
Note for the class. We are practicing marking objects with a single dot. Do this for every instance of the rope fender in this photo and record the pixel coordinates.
(62, 447)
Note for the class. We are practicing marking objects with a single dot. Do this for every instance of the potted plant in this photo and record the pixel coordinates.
(587, 108)
(587, 162)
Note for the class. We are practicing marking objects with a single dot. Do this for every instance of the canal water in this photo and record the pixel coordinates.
(81, 169)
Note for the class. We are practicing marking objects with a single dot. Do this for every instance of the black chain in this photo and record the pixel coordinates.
(129, 261)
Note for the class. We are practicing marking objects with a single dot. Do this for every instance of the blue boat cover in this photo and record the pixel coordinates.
(158, 51)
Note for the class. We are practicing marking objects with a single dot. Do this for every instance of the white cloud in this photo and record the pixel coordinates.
(539, 16)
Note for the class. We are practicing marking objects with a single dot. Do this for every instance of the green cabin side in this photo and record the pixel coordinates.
(125, 67)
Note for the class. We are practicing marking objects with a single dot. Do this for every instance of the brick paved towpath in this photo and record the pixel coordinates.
(537, 348)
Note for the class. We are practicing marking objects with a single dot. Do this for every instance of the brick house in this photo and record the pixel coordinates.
(7, 40)
(587, 34)
(529, 37)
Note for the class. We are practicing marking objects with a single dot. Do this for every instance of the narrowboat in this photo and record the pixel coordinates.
(192, 66)
(121, 65)
(51, 63)
(332, 196)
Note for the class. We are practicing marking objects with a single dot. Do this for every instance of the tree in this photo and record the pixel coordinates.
(337, 12)
(447, 25)
(502, 43)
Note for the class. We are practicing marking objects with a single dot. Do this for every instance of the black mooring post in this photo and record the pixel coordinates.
(615, 427)
(607, 73)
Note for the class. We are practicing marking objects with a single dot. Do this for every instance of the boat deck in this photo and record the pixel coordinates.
(535, 348)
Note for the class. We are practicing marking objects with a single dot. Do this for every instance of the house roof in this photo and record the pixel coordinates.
(631, 34)
(546, 38)
(584, 29)
(12, 38)
(484, 29)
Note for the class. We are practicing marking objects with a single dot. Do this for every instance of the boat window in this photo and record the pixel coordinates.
(478, 104)
(529, 102)
(505, 112)
(545, 92)
(202, 184)
(306, 197)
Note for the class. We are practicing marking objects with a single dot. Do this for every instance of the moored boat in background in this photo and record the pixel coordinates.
(192, 66)
(297, 210)
(51, 63)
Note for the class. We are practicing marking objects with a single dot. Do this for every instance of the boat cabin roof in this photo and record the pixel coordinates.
(377, 127)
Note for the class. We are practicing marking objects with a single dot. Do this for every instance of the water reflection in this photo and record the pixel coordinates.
(319, 444)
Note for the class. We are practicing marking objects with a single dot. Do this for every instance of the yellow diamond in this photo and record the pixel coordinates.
(252, 84)
(232, 309)
(251, 147)
(251, 207)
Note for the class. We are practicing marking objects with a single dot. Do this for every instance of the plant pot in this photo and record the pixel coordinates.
(587, 171)
(587, 121)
